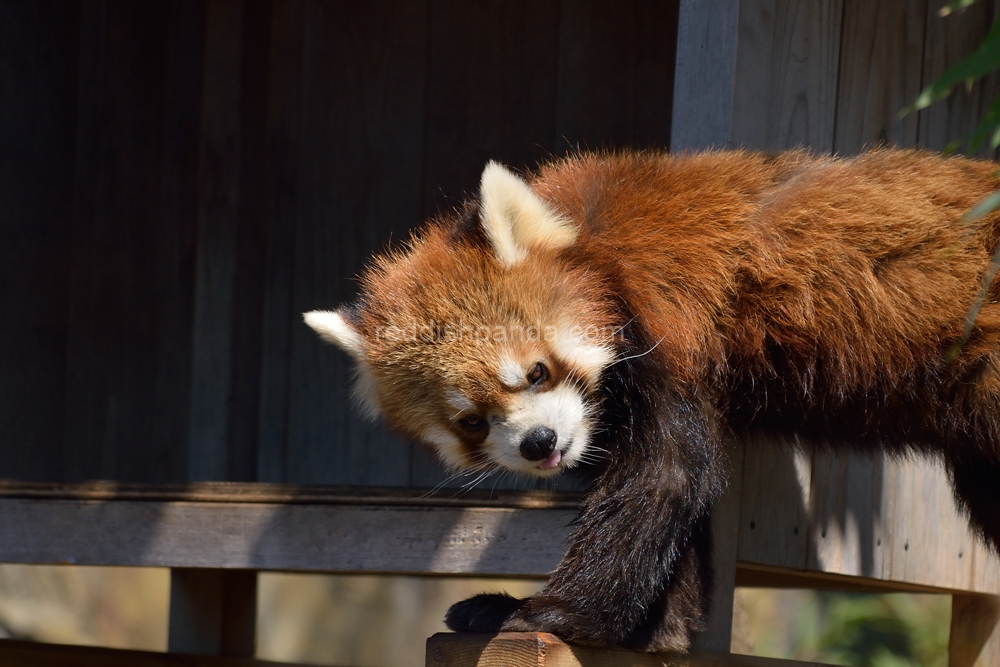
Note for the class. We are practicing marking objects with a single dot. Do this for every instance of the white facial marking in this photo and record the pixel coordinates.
(511, 374)
(515, 218)
(458, 402)
(447, 445)
(561, 409)
(585, 351)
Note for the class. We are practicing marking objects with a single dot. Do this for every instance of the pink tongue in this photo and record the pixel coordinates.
(551, 462)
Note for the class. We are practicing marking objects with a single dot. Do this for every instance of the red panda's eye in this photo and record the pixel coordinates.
(538, 374)
(472, 423)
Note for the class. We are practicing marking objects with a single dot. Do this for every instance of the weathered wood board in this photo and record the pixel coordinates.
(416, 539)
(885, 519)
(539, 649)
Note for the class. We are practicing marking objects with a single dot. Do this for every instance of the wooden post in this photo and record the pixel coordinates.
(975, 631)
(212, 611)
(718, 632)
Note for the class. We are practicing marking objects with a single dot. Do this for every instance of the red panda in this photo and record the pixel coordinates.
(641, 310)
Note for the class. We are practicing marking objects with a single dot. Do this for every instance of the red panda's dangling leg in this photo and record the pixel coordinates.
(637, 571)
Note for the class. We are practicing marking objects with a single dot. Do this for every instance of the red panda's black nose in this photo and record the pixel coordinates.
(538, 444)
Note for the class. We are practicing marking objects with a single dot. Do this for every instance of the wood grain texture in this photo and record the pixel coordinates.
(882, 44)
(217, 233)
(539, 649)
(881, 519)
(32, 654)
(616, 74)
(278, 199)
(231, 492)
(774, 517)
(358, 183)
(846, 512)
(950, 39)
(725, 516)
(975, 631)
(703, 84)
(374, 538)
(785, 82)
(129, 349)
(37, 135)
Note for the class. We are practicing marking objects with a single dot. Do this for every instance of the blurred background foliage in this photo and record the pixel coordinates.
(867, 630)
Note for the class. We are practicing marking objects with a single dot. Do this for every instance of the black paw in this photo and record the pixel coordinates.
(483, 613)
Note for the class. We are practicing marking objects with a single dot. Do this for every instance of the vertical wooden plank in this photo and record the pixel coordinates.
(283, 148)
(213, 612)
(975, 631)
(37, 154)
(215, 265)
(255, 218)
(880, 73)
(774, 516)
(130, 319)
(703, 84)
(597, 95)
(949, 40)
(615, 74)
(726, 519)
(655, 42)
(785, 82)
(359, 180)
(846, 531)
(491, 94)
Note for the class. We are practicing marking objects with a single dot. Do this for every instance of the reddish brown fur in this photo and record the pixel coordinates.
(788, 292)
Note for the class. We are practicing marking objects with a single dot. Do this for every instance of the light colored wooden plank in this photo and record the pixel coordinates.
(32, 654)
(539, 649)
(894, 520)
(785, 82)
(725, 540)
(845, 533)
(975, 631)
(213, 612)
(774, 514)
(419, 540)
(706, 54)
(880, 73)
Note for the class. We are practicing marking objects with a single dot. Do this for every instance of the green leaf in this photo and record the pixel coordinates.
(955, 6)
(986, 206)
(981, 62)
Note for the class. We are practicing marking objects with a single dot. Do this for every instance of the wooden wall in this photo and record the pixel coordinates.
(179, 180)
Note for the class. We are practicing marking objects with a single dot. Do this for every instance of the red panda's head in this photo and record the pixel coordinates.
(485, 338)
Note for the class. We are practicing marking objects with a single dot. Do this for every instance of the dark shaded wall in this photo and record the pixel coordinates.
(180, 180)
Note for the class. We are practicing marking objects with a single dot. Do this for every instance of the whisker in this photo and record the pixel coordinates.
(636, 356)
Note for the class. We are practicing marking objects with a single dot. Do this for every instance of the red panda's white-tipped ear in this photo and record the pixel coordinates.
(516, 219)
(333, 328)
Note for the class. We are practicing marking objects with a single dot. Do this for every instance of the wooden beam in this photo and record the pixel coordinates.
(305, 537)
(975, 631)
(32, 654)
(703, 79)
(725, 516)
(213, 612)
(539, 649)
